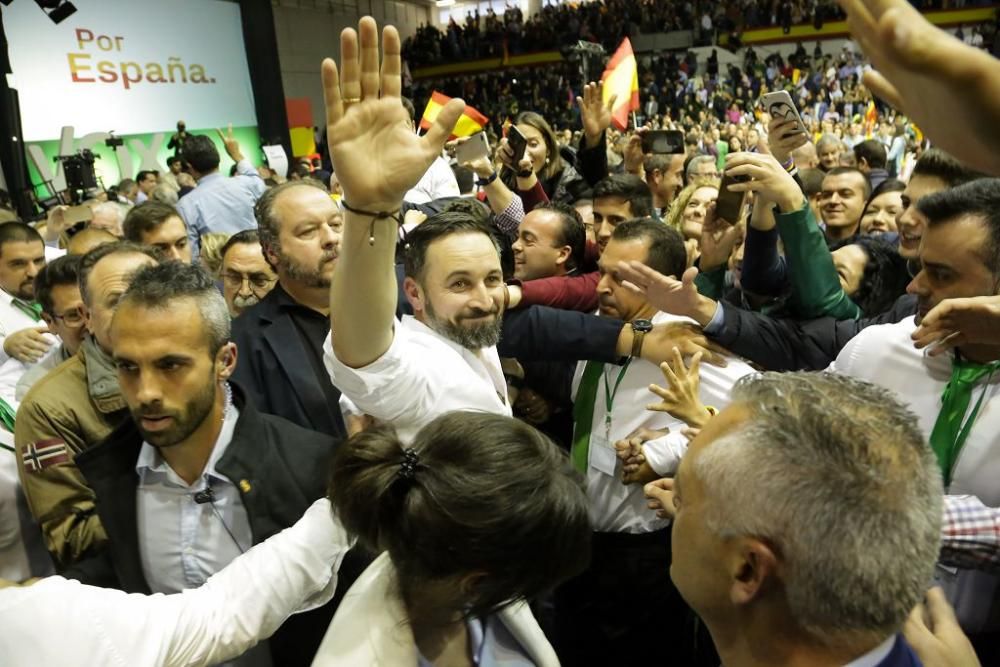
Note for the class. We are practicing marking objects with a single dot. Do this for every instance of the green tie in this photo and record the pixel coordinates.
(583, 414)
(949, 432)
(32, 310)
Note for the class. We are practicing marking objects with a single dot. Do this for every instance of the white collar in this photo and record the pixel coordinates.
(875, 656)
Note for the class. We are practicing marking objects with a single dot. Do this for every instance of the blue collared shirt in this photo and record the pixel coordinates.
(222, 204)
(181, 542)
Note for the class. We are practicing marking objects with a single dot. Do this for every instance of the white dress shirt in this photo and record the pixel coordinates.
(22, 551)
(615, 507)
(421, 376)
(12, 320)
(63, 622)
(182, 542)
(437, 182)
(875, 656)
(885, 355)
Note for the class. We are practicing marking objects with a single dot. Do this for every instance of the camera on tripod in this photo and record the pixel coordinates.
(79, 172)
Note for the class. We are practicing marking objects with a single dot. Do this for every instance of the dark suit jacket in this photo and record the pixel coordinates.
(790, 345)
(285, 469)
(275, 370)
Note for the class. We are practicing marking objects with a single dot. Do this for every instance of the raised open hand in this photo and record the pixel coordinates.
(374, 151)
(680, 397)
(594, 113)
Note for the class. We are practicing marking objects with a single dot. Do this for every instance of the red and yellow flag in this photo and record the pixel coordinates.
(468, 124)
(621, 78)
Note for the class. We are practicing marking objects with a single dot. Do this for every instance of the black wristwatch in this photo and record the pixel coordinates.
(483, 182)
(640, 328)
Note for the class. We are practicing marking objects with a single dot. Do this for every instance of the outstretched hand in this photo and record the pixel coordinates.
(374, 151)
(229, 140)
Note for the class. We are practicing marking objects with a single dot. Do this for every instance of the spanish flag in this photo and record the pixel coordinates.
(621, 78)
(871, 119)
(469, 123)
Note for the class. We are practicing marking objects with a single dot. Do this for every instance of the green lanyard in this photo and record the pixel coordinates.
(609, 397)
(966, 428)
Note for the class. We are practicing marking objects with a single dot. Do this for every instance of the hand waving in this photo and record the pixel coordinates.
(594, 113)
(376, 155)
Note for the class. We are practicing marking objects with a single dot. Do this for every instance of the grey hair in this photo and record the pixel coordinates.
(164, 194)
(694, 164)
(829, 139)
(835, 473)
(160, 286)
(114, 208)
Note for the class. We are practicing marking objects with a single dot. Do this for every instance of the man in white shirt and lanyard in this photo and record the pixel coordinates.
(22, 256)
(957, 397)
(607, 614)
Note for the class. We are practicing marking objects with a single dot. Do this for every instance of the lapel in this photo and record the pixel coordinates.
(110, 471)
(285, 343)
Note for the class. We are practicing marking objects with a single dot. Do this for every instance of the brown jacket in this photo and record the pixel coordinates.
(76, 406)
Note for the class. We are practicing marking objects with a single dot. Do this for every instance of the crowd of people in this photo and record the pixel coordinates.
(586, 404)
(607, 22)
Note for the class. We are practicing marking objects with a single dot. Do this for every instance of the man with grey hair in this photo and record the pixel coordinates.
(196, 476)
(828, 149)
(109, 216)
(702, 166)
(807, 523)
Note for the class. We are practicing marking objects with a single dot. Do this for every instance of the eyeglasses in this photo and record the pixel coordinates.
(253, 280)
(72, 318)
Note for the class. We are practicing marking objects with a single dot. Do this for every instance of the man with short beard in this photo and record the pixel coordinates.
(197, 475)
(281, 338)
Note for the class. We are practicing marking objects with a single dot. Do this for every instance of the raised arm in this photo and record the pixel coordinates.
(377, 159)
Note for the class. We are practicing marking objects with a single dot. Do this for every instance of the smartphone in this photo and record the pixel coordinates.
(729, 205)
(75, 214)
(517, 143)
(473, 148)
(780, 105)
(663, 141)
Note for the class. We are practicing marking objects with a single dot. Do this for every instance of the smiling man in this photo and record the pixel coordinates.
(954, 395)
(842, 201)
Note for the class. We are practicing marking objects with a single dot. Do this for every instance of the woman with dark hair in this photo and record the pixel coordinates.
(559, 179)
(884, 204)
(479, 514)
(872, 273)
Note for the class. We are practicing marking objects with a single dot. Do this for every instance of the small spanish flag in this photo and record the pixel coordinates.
(468, 124)
(621, 78)
(871, 118)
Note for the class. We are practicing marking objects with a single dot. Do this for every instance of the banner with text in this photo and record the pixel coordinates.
(134, 67)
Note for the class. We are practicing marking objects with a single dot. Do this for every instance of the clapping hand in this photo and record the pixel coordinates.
(374, 151)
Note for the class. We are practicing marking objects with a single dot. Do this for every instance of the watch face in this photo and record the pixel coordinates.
(642, 325)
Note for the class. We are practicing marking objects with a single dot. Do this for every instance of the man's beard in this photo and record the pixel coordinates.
(474, 337)
(26, 291)
(310, 277)
(186, 421)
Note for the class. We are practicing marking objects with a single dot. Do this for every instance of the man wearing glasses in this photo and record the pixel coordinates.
(246, 276)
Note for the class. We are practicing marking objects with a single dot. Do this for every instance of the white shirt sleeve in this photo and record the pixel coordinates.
(237, 607)
(664, 453)
(397, 383)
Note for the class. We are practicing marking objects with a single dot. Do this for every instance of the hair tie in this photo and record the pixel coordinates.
(409, 464)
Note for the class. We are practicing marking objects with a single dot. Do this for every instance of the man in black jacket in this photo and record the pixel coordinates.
(197, 476)
(281, 338)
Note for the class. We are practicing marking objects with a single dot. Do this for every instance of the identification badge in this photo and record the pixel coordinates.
(602, 456)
